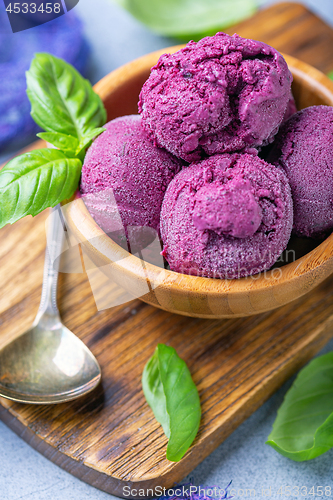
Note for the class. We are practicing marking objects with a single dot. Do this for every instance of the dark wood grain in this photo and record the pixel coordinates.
(110, 438)
(291, 28)
(178, 293)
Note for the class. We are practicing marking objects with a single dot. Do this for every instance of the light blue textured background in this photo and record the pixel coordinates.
(243, 458)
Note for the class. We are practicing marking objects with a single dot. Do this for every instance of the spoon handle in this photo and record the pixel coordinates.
(55, 237)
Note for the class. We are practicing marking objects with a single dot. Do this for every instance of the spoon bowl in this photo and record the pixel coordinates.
(45, 366)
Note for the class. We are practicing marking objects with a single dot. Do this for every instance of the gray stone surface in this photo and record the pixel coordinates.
(243, 458)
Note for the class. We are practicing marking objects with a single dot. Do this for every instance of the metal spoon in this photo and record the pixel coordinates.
(48, 363)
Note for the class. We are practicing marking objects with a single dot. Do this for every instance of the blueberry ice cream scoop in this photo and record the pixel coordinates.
(221, 94)
(228, 216)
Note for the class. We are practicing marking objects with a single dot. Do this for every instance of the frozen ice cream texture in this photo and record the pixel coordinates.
(227, 216)
(221, 94)
(227, 209)
(125, 174)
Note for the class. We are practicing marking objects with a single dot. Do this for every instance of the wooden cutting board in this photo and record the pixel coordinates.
(110, 438)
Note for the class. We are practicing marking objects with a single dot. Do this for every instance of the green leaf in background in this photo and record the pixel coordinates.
(303, 428)
(61, 99)
(186, 18)
(172, 395)
(330, 75)
(34, 181)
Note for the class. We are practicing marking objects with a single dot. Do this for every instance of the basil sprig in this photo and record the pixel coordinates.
(303, 428)
(172, 395)
(34, 181)
(189, 19)
(65, 105)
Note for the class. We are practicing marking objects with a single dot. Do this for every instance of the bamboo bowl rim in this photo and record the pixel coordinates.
(87, 228)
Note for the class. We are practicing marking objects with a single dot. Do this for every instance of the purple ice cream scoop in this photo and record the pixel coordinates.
(304, 148)
(228, 216)
(221, 94)
(124, 177)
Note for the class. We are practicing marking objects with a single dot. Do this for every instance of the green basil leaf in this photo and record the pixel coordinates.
(303, 428)
(172, 395)
(330, 75)
(34, 181)
(66, 143)
(61, 99)
(189, 17)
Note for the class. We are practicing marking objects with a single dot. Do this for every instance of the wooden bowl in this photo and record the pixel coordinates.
(192, 295)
